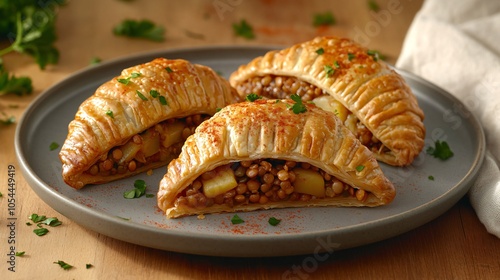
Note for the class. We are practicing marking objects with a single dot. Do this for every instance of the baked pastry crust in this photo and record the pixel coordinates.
(268, 129)
(365, 85)
(117, 111)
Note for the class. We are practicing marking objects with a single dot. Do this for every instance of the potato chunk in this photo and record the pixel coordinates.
(173, 133)
(328, 103)
(223, 180)
(150, 142)
(309, 182)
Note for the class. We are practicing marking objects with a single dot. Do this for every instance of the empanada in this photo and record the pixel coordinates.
(266, 154)
(139, 120)
(337, 74)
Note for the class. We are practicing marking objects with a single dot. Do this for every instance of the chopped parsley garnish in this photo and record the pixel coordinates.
(53, 146)
(64, 265)
(243, 29)
(154, 93)
(298, 107)
(89, 265)
(127, 80)
(163, 100)
(8, 120)
(41, 231)
(95, 60)
(144, 29)
(53, 222)
(110, 114)
(218, 109)
(138, 191)
(149, 195)
(329, 70)
(252, 97)
(351, 56)
(431, 177)
(169, 70)
(360, 168)
(320, 51)
(273, 221)
(373, 5)
(336, 64)
(236, 220)
(141, 95)
(375, 54)
(20, 254)
(325, 18)
(1, 194)
(43, 220)
(441, 150)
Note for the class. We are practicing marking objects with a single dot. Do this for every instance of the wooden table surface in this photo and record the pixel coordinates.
(453, 246)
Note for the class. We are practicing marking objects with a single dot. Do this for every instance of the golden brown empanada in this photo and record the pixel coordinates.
(140, 119)
(338, 75)
(269, 154)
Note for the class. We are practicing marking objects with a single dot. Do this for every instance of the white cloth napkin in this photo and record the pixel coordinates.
(456, 45)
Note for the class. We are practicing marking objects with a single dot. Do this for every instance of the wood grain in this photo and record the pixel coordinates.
(453, 246)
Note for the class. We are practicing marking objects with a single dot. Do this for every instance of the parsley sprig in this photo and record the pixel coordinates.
(30, 29)
(243, 29)
(298, 107)
(441, 150)
(252, 97)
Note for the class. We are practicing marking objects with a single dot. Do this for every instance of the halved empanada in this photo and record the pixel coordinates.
(338, 75)
(140, 119)
(271, 154)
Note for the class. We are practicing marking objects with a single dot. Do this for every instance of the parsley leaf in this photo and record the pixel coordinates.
(298, 107)
(320, 51)
(351, 56)
(64, 265)
(20, 254)
(53, 146)
(140, 29)
(138, 191)
(40, 231)
(325, 18)
(252, 97)
(89, 265)
(243, 29)
(441, 150)
(360, 168)
(431, 177)
(273, 221)
(236, 220)
(163, 100)
(329, 70)
(141, 95)
(110, 114)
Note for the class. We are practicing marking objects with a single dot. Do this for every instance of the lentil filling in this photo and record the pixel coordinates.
(162, 142)
(261, 181)
(279, 87)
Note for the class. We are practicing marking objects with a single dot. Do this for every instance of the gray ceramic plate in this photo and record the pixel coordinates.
(103, 209)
